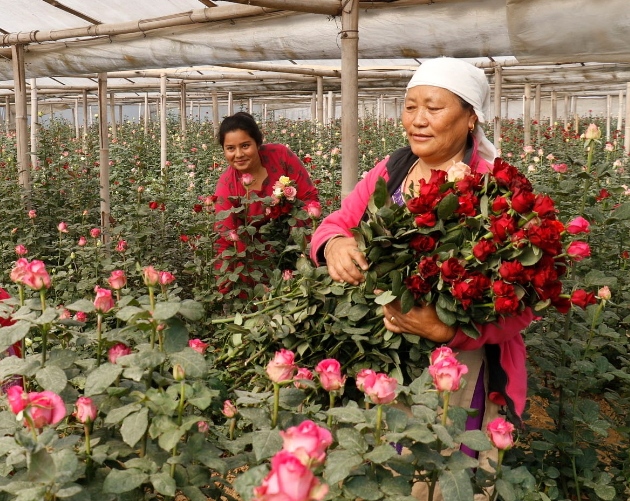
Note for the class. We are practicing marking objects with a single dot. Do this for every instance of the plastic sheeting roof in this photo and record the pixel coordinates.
(393, 35)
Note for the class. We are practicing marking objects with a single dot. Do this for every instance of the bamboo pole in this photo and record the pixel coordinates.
(103, 157)
(147, 112)
(576, 119)
(230, 103)
(627, 134)
(349, 96)
(85, 113)
(566, 112)
(498, 90)
(608, 116)
(215, 113)
(320, 100)
(112, 113)
(331, 107)
(182, 108)
(554, 109)
(163, 130)
(77, 128)
(34, 122)
(7, 114)
(527, 121)
(250, 106)
(21, 126)
(620, 113)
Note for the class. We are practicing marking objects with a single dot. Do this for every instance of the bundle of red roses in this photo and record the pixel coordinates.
(475, 245)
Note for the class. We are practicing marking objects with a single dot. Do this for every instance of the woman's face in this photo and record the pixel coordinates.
(241, 151)
(436, 123)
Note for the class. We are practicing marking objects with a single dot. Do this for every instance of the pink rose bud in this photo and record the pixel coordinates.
(19, 270)
(287, 275)
(362, 376)
(62, 227)
(86, 410)
(247, 179)
(560, 168)
(44, 409)
(203, 426)
(117, 279)
(329, 372)
(604, 293)
(118, 350)
(440, 353)
(593, 132)
(303, 374)
(179, 374)
(282, 367)
(229, 409)
(32, 214)
(82, 242)
(18, 399)
(80, 316)
(65, 314)
(447, 374)
(500, 433)
(307, 441)
(314, 210)
(35, 276)
(95, 232)
(289, 480)
(121, 246)
(20, 250)
(151, 276)
(165, 278)
(380, 388)
(233, 236)
(104, 300)
(578, 225)
(578, 250)
(198, 345)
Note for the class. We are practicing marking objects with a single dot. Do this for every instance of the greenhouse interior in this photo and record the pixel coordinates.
(293, 250)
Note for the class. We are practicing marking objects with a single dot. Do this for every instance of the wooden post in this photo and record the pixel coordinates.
(627, 134)
(554, 109)
(215, 113)
(34, 122)
(112, 113)
(21, 126)
(608, 116)
(320, 100)
(230, 103)
(566, 112)
(147, 113)
(527, 120)
(349, 96)
(77, 128)
(250, 106)
(182, 108)
(85, 114)
(620, 113)
(163, 129)
(103, 156)
(574, 114)
(537, 112)
(7, 114)
(498, 91)
(314, 107)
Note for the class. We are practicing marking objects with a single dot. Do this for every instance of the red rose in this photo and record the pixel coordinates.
(471, 182)
(502, 226)
(550, 290)
(426, 220)
(461, 290)
(417, 205)
(578, 250)
(603, 194)
(500, 204)
(512, 271)
(428, 267)
(503, 172)
(544, 206)
(417, 285)
(153, 205)
(507, 305)
(501, 288)
(197, 208)
(582, 298)
(468, 205)
(523, 201)
(483, 249)
(422, 243)
(519, 239)
(562, 304)
(546, 237)
(452, 270)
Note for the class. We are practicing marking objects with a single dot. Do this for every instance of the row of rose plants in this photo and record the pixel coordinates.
(578, 361)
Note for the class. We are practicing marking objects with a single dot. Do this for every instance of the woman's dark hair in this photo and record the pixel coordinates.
(465, 104)
(240, 121)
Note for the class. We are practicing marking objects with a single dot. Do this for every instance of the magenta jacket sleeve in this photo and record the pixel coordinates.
(352, 209)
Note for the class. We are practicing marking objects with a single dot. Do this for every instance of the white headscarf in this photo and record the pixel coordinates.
(468, 82)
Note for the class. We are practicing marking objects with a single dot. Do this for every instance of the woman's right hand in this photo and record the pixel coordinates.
(346, 263)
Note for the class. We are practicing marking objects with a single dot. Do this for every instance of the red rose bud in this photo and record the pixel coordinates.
(578, 250)
(582, 298)
(426, 220)
(484, 249)
(380, 388)
(118, 350)
(198, 345)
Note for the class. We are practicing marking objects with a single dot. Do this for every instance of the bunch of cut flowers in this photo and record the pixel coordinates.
(477, 246)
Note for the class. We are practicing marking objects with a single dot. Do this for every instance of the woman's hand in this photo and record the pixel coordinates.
(420, 320)
(345, 261)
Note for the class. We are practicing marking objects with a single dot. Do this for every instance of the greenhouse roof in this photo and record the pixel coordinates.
(282, 46)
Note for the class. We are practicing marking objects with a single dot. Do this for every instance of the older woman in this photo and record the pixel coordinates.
(446, 100)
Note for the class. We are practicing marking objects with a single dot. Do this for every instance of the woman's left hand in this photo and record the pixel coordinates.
(420, 320)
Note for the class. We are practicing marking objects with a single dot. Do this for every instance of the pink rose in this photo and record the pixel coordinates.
(62, 227)
(19, 270)
(117, 279)
(121, 246)
(203, 426)
(380, 388)
(247, 179)
(229, 409)
(233, 236)
(362, 376)
(118, 350)
(604, 293)
(307, 441)
(329, 371)
(20, 250)
(289, 192)
(560, 168)
(151, 276)
(32, 214)
(198, 345)
(82, 242)
(500, 433)
(44, 408)
(287, 275)
(578, 225)
(447, 374)
(18, 399)
(86, 410)
(578, 250)
(95, 232)
(35, 276)
(289, 480)
(440, 353)
(282, 367)
(165, 277)
(314, 209)
(302, 374)
(80, 316)
(104, 300)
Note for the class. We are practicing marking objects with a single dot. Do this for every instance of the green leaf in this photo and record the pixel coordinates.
(505, 490)
(351, 440)
(447, 206)
(407, 301)
(134, 426)
(128, 312)
(621, 212)
(385, 298)
(13, 333)
(477, 440)
(381, 454)
(194, 363)
(117, 414)
(66, 465)
(266, 443)
(455, 485)
(363, 487)
(12, 365)
(8, 424)
(163, 483)
(121, 481)
(339, 464)
(175, 336)
(83, 305)
(101, 378)
(605, 492)
(42, 468)
(191, 310)
(170, 438)
(52, 378)
(164, 311)
(380, 196)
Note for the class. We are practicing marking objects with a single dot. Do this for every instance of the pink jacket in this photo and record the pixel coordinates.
(506, 333)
